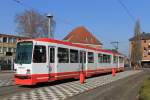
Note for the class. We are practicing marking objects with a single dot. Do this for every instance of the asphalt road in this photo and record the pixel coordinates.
(123, 89)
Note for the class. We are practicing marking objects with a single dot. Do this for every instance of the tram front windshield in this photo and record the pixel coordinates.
(24, 52)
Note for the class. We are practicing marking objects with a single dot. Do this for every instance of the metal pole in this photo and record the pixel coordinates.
(49, 16)
(115, 44)
(49, 29)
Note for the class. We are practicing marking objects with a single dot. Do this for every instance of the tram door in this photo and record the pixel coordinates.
(51, 57)
(82, 60)
(117, 62)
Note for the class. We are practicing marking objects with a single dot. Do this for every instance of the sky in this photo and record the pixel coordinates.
(107, 20)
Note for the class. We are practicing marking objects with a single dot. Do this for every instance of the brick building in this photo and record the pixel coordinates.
(7, 50)
(145, 48)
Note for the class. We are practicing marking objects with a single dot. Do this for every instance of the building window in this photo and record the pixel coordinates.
(9, 49)
(14, 40)
(1, 39)
(63, 55)
(90, 57)
(144, 41)
(9, 40)
(13, 49)
(1, 49)
(4, 39)
(5, 49)
(73, 56)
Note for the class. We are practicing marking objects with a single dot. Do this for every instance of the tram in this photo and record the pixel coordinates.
(45, 60)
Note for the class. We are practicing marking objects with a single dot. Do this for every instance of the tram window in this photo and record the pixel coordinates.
(109, 58)
(120, 59)
(82, 56)
(73, 56)
(90, 57)
(39, 55)
(100, 58)
(115, 59)
(52, 55)
(106, 58)
(63, 55)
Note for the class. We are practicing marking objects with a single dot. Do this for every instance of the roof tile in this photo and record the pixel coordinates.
(82, 35)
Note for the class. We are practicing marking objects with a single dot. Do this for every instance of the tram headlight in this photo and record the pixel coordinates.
(28, 71)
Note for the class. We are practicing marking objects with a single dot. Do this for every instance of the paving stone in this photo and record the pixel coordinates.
(64, 90)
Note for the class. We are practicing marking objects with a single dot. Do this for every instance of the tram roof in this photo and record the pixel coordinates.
(72, 44)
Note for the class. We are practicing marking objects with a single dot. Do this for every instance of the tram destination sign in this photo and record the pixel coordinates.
(25, 43)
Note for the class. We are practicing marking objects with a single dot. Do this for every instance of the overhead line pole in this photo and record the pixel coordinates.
(115, 44)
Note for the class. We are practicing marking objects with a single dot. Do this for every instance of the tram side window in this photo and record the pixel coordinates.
(90, 57)
(73, 56)
(52, 55)
(115, 59)
(82, 57)
(100, 58)
(106, 58)
(63, 55)
(39, 55)
(120, 59)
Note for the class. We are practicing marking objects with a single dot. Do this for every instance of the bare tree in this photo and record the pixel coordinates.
(31, 23)
(136, 54)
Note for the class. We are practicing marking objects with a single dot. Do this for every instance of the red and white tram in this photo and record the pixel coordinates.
(43, 60)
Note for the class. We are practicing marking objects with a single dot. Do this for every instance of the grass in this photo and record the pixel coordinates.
(144, 93)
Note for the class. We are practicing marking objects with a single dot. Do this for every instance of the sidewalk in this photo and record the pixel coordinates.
(6, 71)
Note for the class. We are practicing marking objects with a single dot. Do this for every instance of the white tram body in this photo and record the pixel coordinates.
(43, 60)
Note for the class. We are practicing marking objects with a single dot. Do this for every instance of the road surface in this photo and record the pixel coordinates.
(124, 86)
(123, 89)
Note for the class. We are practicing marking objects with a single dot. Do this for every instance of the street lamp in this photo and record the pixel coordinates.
(50, 17)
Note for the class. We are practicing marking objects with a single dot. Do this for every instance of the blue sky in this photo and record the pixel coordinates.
(106, 19)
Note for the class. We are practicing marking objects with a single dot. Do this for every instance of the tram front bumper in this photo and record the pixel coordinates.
(24, 80)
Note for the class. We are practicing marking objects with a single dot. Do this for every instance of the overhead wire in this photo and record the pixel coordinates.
(127, 10)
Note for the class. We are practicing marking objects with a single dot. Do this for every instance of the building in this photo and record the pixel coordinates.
(81, 35)
(7, 50)
(145, 48)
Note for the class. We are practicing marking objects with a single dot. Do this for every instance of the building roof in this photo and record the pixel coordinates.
(144, 36)
(82, 35)
(9, 35)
